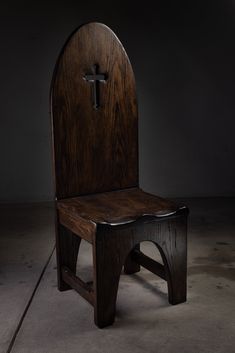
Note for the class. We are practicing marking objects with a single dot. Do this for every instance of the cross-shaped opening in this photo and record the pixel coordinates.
(95, 78)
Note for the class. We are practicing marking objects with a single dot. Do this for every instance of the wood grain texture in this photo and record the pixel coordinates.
(114, 244)
(95, 150)
(78, 225)
(117, 207)
(95, 142)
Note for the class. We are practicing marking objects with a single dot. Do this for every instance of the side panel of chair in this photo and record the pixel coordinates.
(113, 246)
(95, 150)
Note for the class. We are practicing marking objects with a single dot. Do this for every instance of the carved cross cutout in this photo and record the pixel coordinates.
(95, 78)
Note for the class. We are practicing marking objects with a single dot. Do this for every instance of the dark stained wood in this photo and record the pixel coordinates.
(116, 207)
(78, 225)
(114, 243)
(130, 265)
(83, 288)
(67, 247)
(149, 263)
(95, 78)
(94, 149)
(98, 198)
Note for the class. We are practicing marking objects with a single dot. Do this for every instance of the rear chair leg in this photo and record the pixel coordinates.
(67, 247)
(130, 265)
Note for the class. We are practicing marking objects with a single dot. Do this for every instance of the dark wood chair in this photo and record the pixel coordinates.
(98, 199)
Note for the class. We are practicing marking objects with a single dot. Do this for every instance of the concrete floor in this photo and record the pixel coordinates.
(36, 318)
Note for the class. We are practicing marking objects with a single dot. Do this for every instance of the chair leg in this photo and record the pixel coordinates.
(130, 265)
(67, 247)
(174, 255)
(108, 262)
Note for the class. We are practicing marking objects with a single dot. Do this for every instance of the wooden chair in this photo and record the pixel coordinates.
(98, 199)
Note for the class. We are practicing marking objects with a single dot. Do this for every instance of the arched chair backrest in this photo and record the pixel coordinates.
(94, 115)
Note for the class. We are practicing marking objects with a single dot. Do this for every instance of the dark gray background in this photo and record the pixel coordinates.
(183, 55)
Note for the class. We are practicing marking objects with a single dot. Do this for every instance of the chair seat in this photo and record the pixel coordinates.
(117, 207)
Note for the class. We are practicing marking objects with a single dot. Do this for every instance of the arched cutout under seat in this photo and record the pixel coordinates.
(97, 195)
(150, 250)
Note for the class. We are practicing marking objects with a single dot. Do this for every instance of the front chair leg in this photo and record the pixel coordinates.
(174, 255)
(67, 247)
(108, 262)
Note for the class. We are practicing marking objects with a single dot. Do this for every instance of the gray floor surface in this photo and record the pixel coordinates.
(63, 322)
